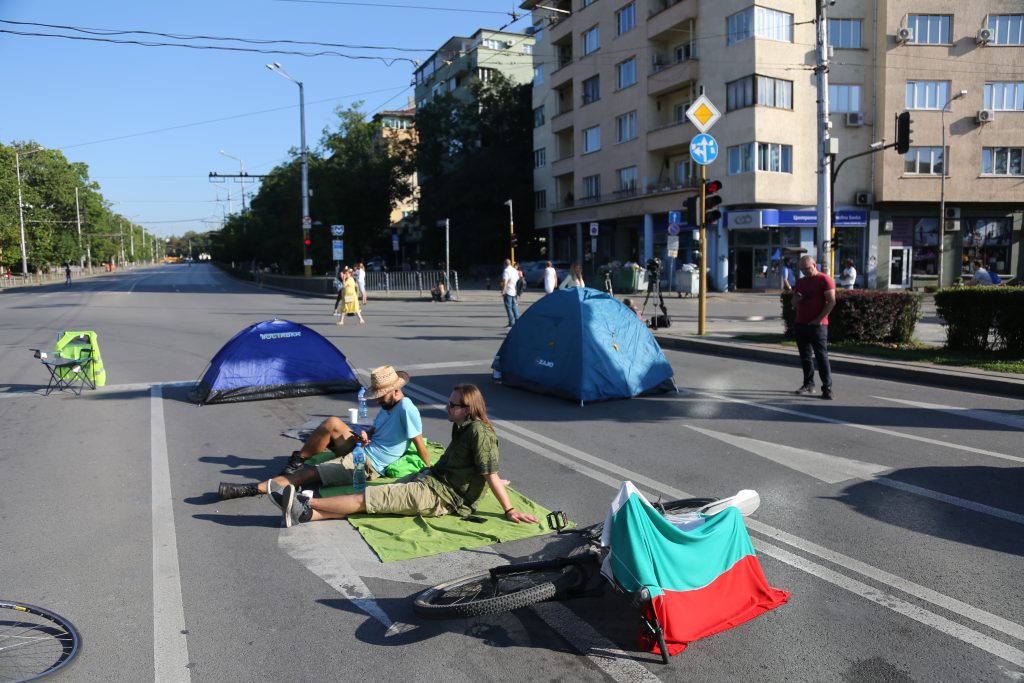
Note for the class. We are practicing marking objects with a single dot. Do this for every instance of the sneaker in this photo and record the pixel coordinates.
(827, 394)
(296, 509)
(294, 464)
(228, 491)
(805, 390)
(276, 493)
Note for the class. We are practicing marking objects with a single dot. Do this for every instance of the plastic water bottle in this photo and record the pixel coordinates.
(364, 411)
(359, 471)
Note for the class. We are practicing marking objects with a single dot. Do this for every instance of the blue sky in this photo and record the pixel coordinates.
(150, 121)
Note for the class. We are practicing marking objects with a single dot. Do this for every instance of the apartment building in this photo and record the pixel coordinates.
(399, 125)
(614, 78)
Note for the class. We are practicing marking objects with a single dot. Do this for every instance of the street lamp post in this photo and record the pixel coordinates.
(21, 211)
(942, 186)
(241, 172)
(511, 231)
(307, 222)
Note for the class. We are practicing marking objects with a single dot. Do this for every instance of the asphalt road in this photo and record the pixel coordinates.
(892, 514)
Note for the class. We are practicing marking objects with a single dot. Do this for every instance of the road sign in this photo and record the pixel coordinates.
(394, 242)
(674, 220)
(338, 247)
(594, 227)
(703, 149)
(672, 246)
(307, 262)
(307, 221)
(338, 231)
(703, 114)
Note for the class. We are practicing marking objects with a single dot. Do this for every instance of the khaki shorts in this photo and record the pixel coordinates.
(407, 496)
(338, 472)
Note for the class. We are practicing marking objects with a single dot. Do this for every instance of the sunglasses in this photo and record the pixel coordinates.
(457, 405)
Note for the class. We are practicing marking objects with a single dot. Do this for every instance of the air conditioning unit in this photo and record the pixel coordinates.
(905, 34)
(863, 199)
(985, 116)
(953, 213)
(854, 119)
(509, 43)
(985, 36)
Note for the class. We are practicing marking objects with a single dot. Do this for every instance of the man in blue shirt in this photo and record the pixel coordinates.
(397, 423)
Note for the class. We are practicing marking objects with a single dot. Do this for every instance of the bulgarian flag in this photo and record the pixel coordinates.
(702, 580)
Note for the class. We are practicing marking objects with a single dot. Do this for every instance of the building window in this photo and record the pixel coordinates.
(592, 89)
(592, 187)
(844, 34)
(774, 157)
(741, 158)
(843, 98)
(761, 22)
(586, 3)
(626, 73)
(540, 157)
(762, 90)
(923, 161)
(538, 116)
(591, 40)
(929, 29)
(1004, 96)
(626, 179)
(625, 127)
(538, 74)
(540, 200)
(625, 19)
(485, 74)
(988, 240)
(591, 139)
(927, 94)
(527, 48)
(685, 172)
(1007, 28)
(1002, 161)
(679, 112)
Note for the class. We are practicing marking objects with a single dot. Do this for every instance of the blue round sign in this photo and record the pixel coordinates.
(703, 149)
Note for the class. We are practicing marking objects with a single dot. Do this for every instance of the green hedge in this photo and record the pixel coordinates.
(983, 318)
(865, 316)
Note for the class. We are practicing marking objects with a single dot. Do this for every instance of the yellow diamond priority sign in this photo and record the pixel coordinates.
(703, 114)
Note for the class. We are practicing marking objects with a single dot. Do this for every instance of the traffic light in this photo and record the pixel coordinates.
(839, 241)
(307, 241)
(514, 240)
(712, 200)
(903, 132)
(692, 210)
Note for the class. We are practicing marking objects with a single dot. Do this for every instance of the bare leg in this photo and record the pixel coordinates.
(334, 431)
(337, 507)
(304, 477)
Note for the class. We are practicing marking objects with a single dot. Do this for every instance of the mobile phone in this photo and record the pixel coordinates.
(474, 518)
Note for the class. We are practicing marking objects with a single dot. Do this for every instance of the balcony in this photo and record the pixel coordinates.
(667, 75)
(671, 137)
(562, 120)
(663, 22)
(563, 165)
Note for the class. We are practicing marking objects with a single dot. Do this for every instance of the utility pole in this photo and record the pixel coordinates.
(131, 239)
(120, 234)
(78, 219)
(825, 140)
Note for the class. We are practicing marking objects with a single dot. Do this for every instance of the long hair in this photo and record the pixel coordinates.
(474, 401)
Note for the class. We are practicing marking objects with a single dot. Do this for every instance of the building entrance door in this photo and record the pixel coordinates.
(744, 269)
(899, 268)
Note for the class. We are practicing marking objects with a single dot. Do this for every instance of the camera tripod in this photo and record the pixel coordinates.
(654, 287)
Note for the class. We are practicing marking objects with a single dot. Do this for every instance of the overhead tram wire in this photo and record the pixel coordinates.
(383, 5)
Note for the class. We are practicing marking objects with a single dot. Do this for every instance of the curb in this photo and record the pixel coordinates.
(979, 381)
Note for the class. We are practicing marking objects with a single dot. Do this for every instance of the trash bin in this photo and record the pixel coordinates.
(687, 281)
(627, 280)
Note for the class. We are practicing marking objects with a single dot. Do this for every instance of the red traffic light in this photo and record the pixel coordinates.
(712, 186)
(307, 241)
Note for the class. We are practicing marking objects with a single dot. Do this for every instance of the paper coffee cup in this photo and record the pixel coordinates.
(353, 415)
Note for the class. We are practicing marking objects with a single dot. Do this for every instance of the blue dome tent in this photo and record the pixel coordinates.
(275, 359)
(584, 345)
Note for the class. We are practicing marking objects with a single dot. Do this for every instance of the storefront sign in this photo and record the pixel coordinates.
(790, 218)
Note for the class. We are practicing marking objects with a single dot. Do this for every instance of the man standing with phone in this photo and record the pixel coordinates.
(815, 296)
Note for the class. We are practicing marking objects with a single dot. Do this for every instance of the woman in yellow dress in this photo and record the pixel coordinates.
(350, 291)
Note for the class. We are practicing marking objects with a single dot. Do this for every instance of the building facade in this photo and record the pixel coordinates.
(614, 79)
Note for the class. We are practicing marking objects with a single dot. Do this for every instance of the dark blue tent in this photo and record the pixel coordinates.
(275, 359)
(585, 345)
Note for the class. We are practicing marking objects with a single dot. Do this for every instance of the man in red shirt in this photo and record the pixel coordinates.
(815, 297)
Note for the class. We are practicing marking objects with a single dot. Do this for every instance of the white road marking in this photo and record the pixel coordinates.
(170, 642)
(1014, 421)
(833, 469)
(452, 364)
(855, 425)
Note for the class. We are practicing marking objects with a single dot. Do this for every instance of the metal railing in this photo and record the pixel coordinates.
(386, 282)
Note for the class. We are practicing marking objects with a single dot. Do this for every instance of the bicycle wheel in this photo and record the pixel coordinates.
(34, 642)
(473, 596)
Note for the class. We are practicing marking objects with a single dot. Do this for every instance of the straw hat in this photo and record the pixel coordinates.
(384, 380)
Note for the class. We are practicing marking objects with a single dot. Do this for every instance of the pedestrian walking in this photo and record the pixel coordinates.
(361, 280)
(350, 297)
(815, 297)
(339, 287)
(67, 274)
(848, 278)
(509, 281)
(550, 278)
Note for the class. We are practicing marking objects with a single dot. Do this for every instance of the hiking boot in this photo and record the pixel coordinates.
(826, 394)
(276, 493)
(228, 491)
(294, 464)
(805, 390)
(296, 508)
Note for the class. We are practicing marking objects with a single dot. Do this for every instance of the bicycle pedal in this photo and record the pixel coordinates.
(557, 521)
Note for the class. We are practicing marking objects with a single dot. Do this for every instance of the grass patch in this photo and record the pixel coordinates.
(920, 353)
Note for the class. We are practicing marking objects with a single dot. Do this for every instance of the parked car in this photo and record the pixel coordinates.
(535, 275)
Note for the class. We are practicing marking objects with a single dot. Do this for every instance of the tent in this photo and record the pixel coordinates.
(275, 359)
(585, 345)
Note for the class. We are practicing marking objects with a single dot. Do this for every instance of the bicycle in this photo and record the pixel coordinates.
(34, 642)
(513, 586)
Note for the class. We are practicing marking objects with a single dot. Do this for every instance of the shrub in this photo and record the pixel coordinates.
(865, 316)
(983, 318)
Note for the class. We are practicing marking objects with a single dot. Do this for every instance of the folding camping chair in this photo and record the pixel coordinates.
(68, 373)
